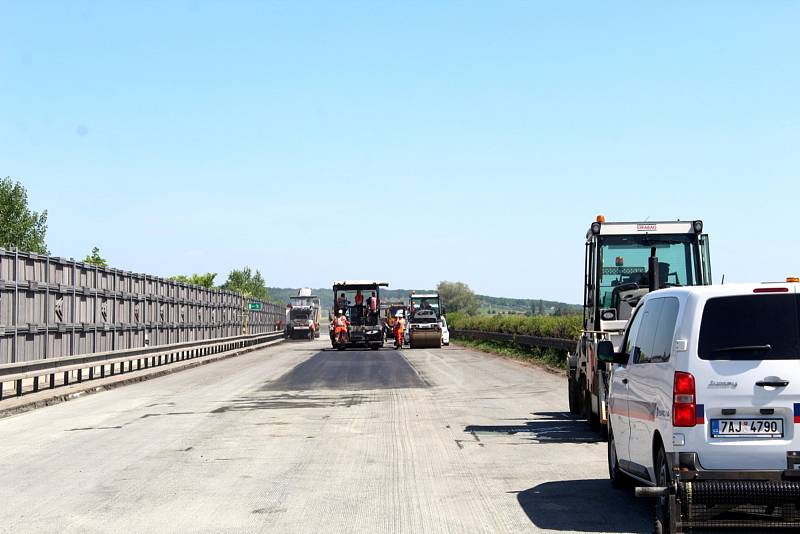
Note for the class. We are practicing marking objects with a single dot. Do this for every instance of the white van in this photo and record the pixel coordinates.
(704, 398)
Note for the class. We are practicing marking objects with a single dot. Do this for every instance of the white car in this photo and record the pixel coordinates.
(705, 399)
(445, 331)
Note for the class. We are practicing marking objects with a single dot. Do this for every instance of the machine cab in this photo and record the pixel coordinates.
(626, 260)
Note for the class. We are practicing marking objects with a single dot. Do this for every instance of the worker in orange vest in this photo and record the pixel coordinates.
(399, 330)
(359, 298)
(340, 326)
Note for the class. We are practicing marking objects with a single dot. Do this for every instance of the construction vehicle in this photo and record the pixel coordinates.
(623, 262)
(303, 314)
(424, 327)
(364, 327)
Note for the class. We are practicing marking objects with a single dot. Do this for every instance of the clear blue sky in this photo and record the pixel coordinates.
(462, 141)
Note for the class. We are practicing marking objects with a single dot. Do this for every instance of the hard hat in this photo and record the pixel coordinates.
(399, 313)
(341, 311)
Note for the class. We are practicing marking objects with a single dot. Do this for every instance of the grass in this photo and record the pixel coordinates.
(546, 357)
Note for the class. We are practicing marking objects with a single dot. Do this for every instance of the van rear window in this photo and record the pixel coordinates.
(751, 327)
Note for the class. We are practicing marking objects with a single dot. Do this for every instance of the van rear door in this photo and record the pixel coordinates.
(748, 380)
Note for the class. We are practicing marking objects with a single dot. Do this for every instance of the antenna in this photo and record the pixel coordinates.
(723, 279)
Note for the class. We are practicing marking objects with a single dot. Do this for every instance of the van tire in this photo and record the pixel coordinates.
(662, 475)
(618, 479)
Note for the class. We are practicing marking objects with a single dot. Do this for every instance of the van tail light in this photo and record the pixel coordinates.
(684, 401)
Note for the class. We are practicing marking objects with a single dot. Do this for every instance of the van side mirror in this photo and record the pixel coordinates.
(605, 353)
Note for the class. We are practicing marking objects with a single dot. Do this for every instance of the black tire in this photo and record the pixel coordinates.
(574, 397)
(663, 478)
(586, 402)
(591, 417)
(618, 479)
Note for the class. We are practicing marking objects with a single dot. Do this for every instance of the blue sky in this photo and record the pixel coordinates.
(410, 141)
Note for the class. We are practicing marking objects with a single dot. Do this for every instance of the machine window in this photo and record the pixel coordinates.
(624, 276)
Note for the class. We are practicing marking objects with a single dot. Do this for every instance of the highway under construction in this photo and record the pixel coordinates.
(297, 437)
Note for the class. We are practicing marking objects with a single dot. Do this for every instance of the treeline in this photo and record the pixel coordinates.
(504, 305)
(456, 297)
(244, 281)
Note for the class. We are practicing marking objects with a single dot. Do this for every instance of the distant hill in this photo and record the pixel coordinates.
(489, 305)
(492, 305)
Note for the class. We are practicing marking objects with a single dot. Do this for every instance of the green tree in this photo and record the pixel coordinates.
(458, 297)
(95, 258)
(202, 280)
(20, 227)
(248, 284)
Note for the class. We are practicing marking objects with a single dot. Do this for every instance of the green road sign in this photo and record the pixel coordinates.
(256, 306)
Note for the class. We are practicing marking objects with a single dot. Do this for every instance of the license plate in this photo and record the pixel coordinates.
(736, 428)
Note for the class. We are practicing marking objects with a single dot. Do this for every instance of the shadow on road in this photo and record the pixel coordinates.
(586, 506)
(547, 427)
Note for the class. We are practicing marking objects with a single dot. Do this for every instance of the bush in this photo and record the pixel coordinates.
(566, 326)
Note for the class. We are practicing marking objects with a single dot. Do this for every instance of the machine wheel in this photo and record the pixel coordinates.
(594, 420)
(586, 399)
(618, 479)
(574, 397)
(375, 347)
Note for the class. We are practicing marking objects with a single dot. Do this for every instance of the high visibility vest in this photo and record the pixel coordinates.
(341, 321)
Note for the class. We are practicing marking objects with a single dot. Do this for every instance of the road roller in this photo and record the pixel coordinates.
(424, 327)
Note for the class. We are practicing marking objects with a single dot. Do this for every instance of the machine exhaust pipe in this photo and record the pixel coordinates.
(652, 270)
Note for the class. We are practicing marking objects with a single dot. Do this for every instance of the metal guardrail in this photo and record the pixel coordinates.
(518, 339)
(136, 359)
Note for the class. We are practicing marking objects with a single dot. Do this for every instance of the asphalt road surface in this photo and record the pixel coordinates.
(300, 439)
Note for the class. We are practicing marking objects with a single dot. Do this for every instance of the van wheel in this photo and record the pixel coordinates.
(618, 479)
(663, 479)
